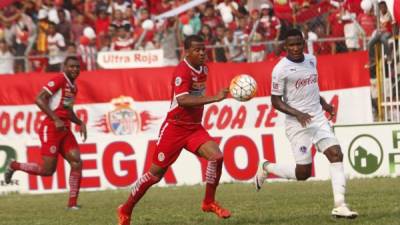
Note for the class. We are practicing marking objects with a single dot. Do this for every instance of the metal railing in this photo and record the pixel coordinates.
(388, 81)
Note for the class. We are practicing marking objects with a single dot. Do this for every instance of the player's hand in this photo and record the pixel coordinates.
(60, 125)
(331, 110)
(222, 94)
(304, 119)
(83, 131)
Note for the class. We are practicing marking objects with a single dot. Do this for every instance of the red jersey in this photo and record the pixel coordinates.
(63, 93)
(367, 22)
(187, 80)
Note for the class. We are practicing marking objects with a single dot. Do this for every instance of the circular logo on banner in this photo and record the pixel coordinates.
(161, 156)
(178, 81)
(51, 84)
(53, 149)
(365, 154)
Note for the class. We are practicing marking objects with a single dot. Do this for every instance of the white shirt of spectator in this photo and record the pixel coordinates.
(55, 54)
(223, 8)
(297, 83)
(6, 63)
(234, 49)
(53, 15)
(117, 6)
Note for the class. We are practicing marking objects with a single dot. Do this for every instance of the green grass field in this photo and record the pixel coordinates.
(376, 200)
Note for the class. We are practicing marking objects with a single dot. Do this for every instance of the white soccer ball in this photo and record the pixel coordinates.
(243, 87)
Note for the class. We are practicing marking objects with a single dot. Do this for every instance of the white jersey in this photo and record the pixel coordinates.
(297, 83)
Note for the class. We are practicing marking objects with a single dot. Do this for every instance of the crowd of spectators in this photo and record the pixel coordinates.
(44, 31)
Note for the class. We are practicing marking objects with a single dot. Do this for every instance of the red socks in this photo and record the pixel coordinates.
(138, 190)
(74, 185)
(31, 168)
(213, 174)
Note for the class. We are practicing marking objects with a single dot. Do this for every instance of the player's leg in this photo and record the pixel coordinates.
(210, 151)
(70, 152)
(301, 147)
(331, 148)
(168, 148)
(202, 144)
(47, 168)
(50, 140)
(153, 176)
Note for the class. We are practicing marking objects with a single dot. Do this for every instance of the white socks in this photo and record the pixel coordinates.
(338, 183)
(284, 171)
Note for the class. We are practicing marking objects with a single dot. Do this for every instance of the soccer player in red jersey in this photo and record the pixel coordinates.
(183, 129)
(56, 100)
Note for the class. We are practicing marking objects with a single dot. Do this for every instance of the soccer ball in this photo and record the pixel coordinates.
(243, 87)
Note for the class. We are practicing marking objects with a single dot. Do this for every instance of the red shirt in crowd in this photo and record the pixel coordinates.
(367, 22)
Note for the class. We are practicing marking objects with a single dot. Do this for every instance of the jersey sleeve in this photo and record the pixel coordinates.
(54, 84)
(278, 82)
(182, 83)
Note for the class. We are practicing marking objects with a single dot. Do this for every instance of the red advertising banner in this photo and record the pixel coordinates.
(339, 71)
(121, 140)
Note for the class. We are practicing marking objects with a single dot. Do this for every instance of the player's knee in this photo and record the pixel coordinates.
(76, 165)
(334, 155)
(48, 171)
(217, 157)
(303, 176)
(303, 173)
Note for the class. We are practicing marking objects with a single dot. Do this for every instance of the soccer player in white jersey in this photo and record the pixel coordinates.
(295, 92)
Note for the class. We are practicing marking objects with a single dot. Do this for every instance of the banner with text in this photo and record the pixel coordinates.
(124, 110)
(131, 59)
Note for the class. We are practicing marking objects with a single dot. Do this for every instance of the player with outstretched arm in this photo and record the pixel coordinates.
(183, 129)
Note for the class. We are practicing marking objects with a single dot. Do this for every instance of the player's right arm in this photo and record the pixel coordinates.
(280, 105)
(182, 87)
(277, 91)
(188, 100)
(43, 99)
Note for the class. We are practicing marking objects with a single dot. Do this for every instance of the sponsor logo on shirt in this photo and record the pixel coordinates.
(312, 79)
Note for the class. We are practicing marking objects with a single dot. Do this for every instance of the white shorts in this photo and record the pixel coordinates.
(302, 139)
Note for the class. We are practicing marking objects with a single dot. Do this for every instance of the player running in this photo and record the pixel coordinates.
(295, 92)
(182, 129)
(56, 100)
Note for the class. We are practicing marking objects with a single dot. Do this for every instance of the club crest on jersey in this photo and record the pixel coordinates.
(178, 81)
(205, 69)
(53, 149)
(161, 156)
(124, 119)
(51, 84)
(312, 63)
(303, 149)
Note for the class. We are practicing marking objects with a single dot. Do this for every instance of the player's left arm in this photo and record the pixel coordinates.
(327, 107)
(82, 125)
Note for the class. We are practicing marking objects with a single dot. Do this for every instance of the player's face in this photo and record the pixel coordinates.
(295, 46)
(72, 69)
(196, 53)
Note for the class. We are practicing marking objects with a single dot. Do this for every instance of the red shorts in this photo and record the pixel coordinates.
(54, 142)
(173, 138)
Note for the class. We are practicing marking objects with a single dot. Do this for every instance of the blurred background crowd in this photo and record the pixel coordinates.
(37, 35)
